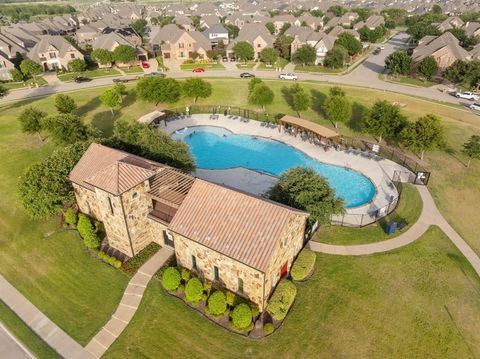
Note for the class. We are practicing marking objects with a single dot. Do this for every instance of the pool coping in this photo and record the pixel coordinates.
(289, 145)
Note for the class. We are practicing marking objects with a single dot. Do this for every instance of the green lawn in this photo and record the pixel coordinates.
(420, 301)
(408, 209)
(132, 70)
(206, 67)
(247, 66)
(280, 63)
(89, 73)
(410, 81)
(319, 68)
(39, 80)
(23, 333)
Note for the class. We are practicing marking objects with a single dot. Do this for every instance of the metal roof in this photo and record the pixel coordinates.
(311, 126)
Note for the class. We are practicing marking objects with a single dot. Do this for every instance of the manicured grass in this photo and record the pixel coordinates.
(13, 85)
(89, 73)
(40, 81)
(206, 67)
(132, 70)
(25, 335)
(319, 68)
(411, 81)
(248, 66)
(280, 63)
(419, 301)
(408, 209)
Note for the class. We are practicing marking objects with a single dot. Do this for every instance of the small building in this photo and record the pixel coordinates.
(238, 241)
(153, 117)
(54, 52)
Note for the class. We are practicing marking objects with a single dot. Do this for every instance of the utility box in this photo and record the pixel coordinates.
(391, 228)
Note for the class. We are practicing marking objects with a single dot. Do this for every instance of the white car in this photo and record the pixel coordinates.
(474, 106)
(288, 77)
(467, 96)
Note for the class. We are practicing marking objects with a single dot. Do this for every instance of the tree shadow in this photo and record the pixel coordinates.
(91, 105)
(104, 121)
(358, 114)
(130, 99)
(287, 95)
(318, 100)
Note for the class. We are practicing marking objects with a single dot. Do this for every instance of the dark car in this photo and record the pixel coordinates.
(246, 75)
(155, 74)
(377, 51)
(80, 79)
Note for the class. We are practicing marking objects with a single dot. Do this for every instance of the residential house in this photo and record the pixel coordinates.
(216, 33)
(238, 20)
(256, 35)
(337, 30)
(444, 48)
(21, 36)
(315, 23)
(475, 53)
(371, 23)
(323, 46)
(242, 242)
(303, 36)
(347, 19)
(5, 67)
(127, 33)
(185, 22)
(110, 41)
(472, 29)
(86, 34)
(334, 21)
(54, 52)
(450, 23)
(175, 43)
(9, 48)
(281, 20)
(209, 20)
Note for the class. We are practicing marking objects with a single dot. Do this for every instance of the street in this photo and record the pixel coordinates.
(10, 348)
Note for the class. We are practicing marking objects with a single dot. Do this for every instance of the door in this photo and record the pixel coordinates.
(168, 239)
(284, 270)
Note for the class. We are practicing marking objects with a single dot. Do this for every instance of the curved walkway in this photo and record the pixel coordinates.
(430, 216)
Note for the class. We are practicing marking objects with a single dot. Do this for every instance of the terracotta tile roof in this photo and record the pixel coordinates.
(98, 158)
(240, 226)
(119, 177)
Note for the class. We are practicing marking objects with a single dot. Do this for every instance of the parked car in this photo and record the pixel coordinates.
(233, 59)
(288, 77)
(377, 51)
(246, 75)
(198, 69)
(467, 96)
(125, 79)
(225, 59)
(154, 74)
(382, 47)
(80, 79)
(145, 65)
(474, 106)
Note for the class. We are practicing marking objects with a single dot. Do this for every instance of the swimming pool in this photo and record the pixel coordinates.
(218, 148)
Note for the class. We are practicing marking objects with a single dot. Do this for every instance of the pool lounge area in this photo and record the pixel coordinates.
(248, 155)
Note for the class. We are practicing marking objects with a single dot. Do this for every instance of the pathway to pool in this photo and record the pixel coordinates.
(379, 170)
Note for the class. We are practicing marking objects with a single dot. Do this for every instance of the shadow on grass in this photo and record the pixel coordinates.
(358, 113)
(130, 98)
(318, 100)
(91, 105)
(104, 121)
(287, 96)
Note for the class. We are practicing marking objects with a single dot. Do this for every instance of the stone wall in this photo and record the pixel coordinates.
(87, 202)
(229, 270)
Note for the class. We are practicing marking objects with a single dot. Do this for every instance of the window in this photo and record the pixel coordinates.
(110, 205)
(240, 285)
(53, 55)
(134, 195)
(259, 45)
(216, 275)
(181, 45)
(194, 262)
(72, 56)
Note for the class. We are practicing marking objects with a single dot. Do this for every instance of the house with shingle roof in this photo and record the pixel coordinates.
(256, 35)
(472, 29)
(371, 23)
(54, 52)
(238, 241)
(111, 40)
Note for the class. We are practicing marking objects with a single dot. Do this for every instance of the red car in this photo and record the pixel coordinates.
(145, 65)
(198, 69)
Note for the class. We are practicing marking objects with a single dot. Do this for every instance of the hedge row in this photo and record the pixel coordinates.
(303, 265)
(87, 231)
(109, 259)
(282, 299)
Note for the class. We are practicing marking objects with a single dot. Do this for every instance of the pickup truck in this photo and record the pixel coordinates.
(125, 79)
(467, 96)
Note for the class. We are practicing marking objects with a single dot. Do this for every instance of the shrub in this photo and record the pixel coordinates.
(84, 225)
(217, 303)
(71, 217)
(231, 299)
(181, 288)
(255, 310)
(91, 240)
(171, 278)
(282, 299)
(242, 316)
(185, 274)
(268, 328)
(303, 265)
(194, 290)
(207, 287)
(109, 259)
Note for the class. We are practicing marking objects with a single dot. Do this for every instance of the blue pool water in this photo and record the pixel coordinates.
(217, 148)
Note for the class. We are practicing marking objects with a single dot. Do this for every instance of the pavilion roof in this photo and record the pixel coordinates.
(311, 126)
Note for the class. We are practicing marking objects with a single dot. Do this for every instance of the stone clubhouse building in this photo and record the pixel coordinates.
(238, 241)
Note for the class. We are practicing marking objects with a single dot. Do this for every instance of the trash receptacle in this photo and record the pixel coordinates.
(391, 228)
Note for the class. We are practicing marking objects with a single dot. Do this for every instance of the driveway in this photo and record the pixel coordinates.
(10, 347)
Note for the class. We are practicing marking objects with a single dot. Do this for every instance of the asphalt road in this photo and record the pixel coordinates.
(365, 75)
(10, 348)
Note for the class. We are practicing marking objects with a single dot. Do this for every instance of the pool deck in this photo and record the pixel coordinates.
(379, 170)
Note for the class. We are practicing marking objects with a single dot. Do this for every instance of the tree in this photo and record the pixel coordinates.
(363, 13)
(305, 189)
(300, 100)
(424, 134)
(282, 45)
(44, 187)
(3, 91)
(337, 107)
(465, 40)
(437, 9)
(17, 75)
(71, 40)
(138, 139)
(112, 99)
(65, 104)
(456, 71)
(156, 90)
(261, 95)
(31, 120)
(398, 63)
(284, 28)
(349, 42)
(305, 55)
(243, 51)
(337, 10)
(268, 55)
(124, 54)
(65, 128)
(30, 68)
(233, 30)
(336, 57)
(270, 27)
(252, 83)
(195, 87)
(384, 120)
(472, 148)
(428, 67)
(102, 56)
(140, 27)
(77, 65)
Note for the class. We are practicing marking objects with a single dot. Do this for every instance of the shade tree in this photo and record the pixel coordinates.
(243, 51)
(157, 90)
(337, 107)
(472, 148)
(305, 55)
(425, 134)
(195, 87)
(31, 121)
(384, 120)
(65, 104)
